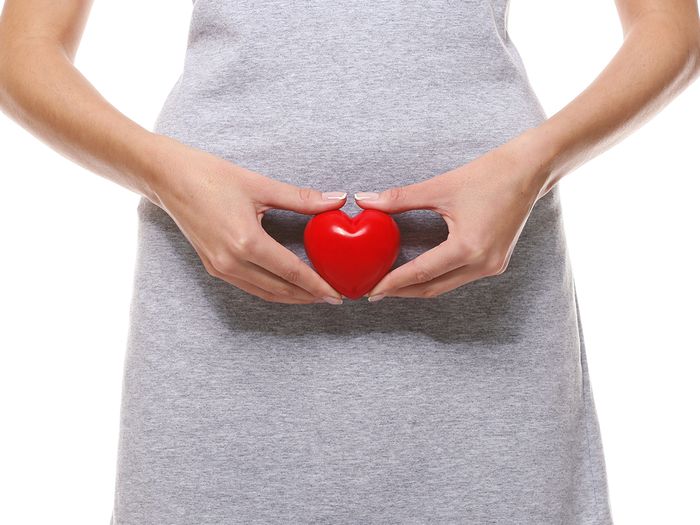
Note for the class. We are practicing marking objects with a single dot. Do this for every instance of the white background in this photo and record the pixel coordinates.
(68, 239)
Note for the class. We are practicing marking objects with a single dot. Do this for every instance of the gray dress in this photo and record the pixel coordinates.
(474, 407)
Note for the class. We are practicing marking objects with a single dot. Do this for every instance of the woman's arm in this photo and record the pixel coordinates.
(659, 58)
(216, 204)
(487, 202)
(42, 90)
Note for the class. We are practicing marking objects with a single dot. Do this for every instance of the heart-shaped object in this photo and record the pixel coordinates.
(352, 253)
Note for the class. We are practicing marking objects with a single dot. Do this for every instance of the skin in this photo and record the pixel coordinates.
(485, 203)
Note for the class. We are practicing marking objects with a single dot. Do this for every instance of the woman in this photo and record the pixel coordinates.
(463, 397)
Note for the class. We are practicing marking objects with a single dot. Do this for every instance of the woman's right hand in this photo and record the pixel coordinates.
(219, 207)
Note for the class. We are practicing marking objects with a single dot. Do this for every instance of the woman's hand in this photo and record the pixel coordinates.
(219, 207)
(485, 204)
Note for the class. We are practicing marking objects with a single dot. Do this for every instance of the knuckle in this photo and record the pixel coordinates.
(292, 274)
(478, 251)
(421, 274)
(220, 264)
(481, 249)
(395, 194)
(474, 248)
(243, 244)
(305, 193)
(463, 247)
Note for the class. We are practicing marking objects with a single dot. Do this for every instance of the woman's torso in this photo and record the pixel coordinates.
(472, 407)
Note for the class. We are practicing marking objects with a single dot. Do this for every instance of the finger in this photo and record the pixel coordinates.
(309, 201)
(265, 294)
(265, 287)
(267, 253)
(419, 195)
(272, 283)
(442, 284)
(429, 265)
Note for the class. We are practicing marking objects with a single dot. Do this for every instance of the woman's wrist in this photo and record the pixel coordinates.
(171, 170)
(157, 165)
(540, 153)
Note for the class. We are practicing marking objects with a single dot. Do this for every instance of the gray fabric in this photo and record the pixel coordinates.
(474, 407)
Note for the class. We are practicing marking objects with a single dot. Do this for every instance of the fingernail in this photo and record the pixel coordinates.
(334, 195)
(375, 298)
(333, 300)
(366, 196)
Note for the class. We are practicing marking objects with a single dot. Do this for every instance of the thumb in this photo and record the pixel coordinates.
(398, 198)
(302, 199)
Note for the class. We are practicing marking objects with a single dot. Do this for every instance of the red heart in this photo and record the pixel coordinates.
(352, 253)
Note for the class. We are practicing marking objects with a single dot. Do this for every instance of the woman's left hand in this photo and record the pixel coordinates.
(485, 204)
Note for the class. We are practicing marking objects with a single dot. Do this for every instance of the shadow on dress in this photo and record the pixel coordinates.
(488, 311)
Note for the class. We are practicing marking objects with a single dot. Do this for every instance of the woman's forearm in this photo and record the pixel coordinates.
(42, 90)
(660, 56)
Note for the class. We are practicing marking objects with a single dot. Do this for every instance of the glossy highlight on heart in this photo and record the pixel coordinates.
(352, 253)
